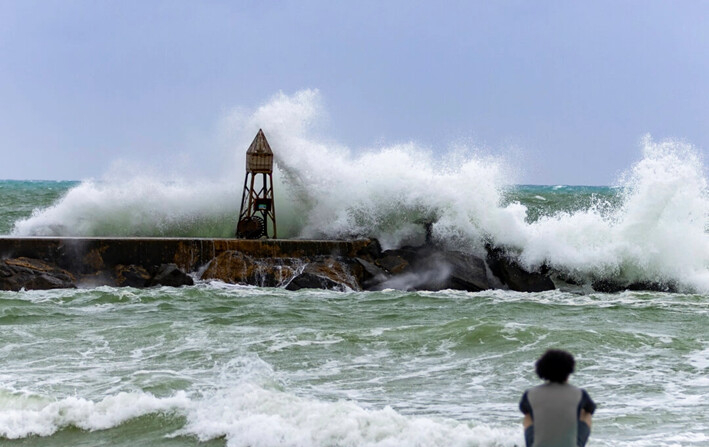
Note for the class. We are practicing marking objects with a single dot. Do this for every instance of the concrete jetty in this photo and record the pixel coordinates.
(360, 264)
(97, 253)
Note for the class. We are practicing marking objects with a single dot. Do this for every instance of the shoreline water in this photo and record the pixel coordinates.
(218, 364)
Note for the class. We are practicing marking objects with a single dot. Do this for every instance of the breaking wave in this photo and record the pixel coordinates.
(656, 231)
(247, 415)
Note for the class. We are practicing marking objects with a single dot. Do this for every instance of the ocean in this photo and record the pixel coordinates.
(219, 364)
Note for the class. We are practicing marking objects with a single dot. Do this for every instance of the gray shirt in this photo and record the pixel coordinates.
(555, 409)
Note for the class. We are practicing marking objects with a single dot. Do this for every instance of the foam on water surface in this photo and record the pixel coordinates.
(241, 366)
(247, 415)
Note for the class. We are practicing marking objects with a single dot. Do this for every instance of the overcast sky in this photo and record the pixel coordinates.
(569, 87)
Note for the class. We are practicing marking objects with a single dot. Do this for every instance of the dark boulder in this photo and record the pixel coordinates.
(33, 274)
(468, 272)
(613, 286)
(428, 267)
(131, 276)
(237, 268)
(512, 275)
(450, 270)
(291, 273)
(170, 275)
(371, 251)
(309, 280)
(392, 262)
(98, 279)
(368, 274)
(328, 273)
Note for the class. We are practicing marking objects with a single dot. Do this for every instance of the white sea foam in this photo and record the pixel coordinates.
(252, 416)
(135, 206)
(323, 189)
(249, 415)
(22, 416)
(657, 234)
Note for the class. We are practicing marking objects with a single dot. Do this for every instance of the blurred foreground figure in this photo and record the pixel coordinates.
(556, 414)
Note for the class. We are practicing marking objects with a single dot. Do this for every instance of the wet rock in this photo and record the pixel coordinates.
(33, 274)
(237, 268)
(566, 278)
(368, 274)
(324, 273)
(427, 267)
(606, 286)
(512, 275)
(170, 275)
(392, 262)
(307, 280)
(131, 276)
(469, 272)
(611, 286)
(434, 269)
(329, 273)
(98, 279)
(371, 251)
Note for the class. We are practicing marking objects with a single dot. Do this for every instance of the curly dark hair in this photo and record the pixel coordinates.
(555, 365)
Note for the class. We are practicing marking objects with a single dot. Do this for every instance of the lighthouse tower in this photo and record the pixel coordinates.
(257, 217)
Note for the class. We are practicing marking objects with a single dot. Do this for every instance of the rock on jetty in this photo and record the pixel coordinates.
(46, 263)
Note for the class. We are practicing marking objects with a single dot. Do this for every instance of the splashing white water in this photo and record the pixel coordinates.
(657, 234)
(247, 414)
(22, 416)
(322, 190)
(252, 416)
(138, 206)
(325, 190)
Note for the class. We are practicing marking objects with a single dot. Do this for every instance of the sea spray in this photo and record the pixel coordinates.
(137, 206)
(652, 228)
(656, 234)
(385, 192)
(321, 190)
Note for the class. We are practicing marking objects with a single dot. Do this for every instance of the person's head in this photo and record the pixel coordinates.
(555, 365)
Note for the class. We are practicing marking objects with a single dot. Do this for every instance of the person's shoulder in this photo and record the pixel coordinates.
(575, 387)
(586, 402)
(583, 391)
(585, 394)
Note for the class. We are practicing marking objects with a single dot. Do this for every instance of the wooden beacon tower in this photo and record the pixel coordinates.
(257, 217)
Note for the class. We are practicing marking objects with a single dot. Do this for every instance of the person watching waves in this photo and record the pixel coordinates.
(556, 413)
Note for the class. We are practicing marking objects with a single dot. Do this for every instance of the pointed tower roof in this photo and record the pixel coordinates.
(260, 145)
(259, 157)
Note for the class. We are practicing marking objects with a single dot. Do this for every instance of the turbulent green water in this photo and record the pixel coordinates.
(550, 200)
(19, 199)
(217, 364)
(229, 365)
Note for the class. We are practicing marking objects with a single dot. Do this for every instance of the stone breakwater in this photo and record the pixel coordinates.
(47, 263)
